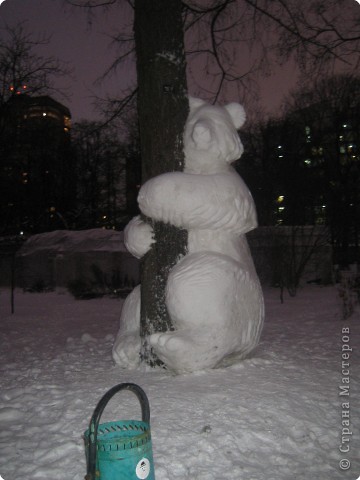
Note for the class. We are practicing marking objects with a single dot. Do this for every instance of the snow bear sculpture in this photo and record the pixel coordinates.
(213, 293)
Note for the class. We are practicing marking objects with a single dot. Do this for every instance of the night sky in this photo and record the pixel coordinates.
(87, 52)
(84, 48)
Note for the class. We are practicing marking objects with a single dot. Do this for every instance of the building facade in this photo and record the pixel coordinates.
(35, 164)
(304, 169)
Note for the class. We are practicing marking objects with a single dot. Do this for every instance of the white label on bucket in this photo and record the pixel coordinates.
(143, 468)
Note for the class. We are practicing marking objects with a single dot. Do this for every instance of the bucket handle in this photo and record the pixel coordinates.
(95, 419)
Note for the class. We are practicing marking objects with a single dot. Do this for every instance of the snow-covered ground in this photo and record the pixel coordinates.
(275, 416)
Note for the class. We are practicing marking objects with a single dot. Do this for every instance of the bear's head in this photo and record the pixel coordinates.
(211, 141)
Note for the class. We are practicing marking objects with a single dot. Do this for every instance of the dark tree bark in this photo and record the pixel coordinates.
(163, 109)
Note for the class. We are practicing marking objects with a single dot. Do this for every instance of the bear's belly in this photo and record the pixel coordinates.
(234, 246)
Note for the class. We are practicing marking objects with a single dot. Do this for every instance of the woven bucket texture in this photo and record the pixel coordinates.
(124, 451)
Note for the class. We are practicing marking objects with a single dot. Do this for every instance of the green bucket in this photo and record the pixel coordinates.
(120, 450)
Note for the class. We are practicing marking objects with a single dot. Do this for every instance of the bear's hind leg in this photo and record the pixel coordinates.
(200, 299)
(185, 352)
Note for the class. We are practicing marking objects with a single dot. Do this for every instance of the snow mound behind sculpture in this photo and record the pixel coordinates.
(213, 293)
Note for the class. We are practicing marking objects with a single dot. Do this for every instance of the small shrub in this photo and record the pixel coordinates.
(101, 284)
(39, 287)
(82, 290)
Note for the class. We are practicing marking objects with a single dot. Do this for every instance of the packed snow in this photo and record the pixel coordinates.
(274, 416)
(213, 294)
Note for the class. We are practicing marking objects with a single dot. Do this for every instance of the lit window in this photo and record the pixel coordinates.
(67, 122)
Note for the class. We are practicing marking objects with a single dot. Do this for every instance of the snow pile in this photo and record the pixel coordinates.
(59, 258)
(274, 416)
(69, 241)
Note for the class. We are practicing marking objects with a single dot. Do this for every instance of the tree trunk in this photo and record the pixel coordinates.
(163, 108)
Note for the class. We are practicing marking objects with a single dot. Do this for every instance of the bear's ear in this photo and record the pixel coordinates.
(195, 102)
(237, 113)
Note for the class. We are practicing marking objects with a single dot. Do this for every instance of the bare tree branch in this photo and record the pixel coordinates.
(91, 3)
(224, 37)
(23, 70)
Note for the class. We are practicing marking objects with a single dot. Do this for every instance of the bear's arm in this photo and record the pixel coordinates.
(217, 201)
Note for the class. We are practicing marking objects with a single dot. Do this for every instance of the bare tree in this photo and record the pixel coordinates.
(99, 176)
(228, 42)
(219, 34)
(303, 167)
(331, 107)
(162, 96)
(22, 70)
(292, 249)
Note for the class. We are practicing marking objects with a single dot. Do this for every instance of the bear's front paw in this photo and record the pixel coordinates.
(126, 351)
(172, 348)
(138, 237)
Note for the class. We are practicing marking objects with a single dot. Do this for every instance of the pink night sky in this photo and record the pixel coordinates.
(87, 52)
